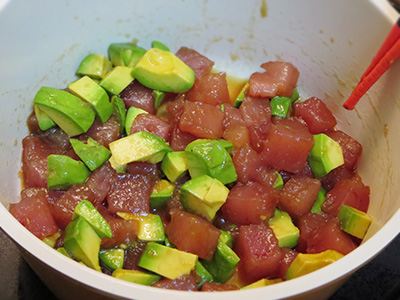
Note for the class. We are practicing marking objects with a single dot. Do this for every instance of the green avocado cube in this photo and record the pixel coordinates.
(131, 115)
(278, 184)
(162, 191)
(222, 264)
(295, 95)
(203, 195)
(210, 157)
(95, 66)
(87, 89)
(119, 112)
(158, 98)
(354, 221)
(113, 258)
(150, 226)
(117, 80)
(240, 97)
(136, 276)
(91, 153)
(321, 197)
(119, 168)
(69, 112)
(284, 229)
(51, 240)
(168, 262)
(260, 283)
(203, 274)
(226, 238)
(63, 172)
(227, 145)
(325, 155)
(307, 263)
(163, 71)
(159, 45)
(86, 210)
(174, 165)
(125, 54)
(280, 106)
(44, 121)
(83, 242)
(63, 252)
(140, 146)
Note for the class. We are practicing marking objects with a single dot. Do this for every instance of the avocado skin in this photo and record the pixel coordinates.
(69, 112)
(83, 242)
(63, 172)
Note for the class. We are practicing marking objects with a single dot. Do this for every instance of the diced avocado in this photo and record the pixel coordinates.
(280, 106)
(162, 112)
(227, 145)
(64, 252)
(235, 85)
(174, 165)
(278, 184)
(131, 115)
(136, 276)
(204, 275)
(88, 90)
(168, 262)
(325, 155)
(83, 242)
(113, 258)
(211, 158)
(162, 70)
(307, 263)
(119, 111)
(226, 238)
(203, 195)
(284, 229)
(261, 283)
(95, 66)
(158, 98)
(51, 240)
(140, 146)
(295, 95)
(159, 45)
(120, 168)
(63, 172)
(150, 226)
(117, 80)
(241, 95)
(222, 264)
(162, 191)
(92, 153)
(354, 221)
(125, 54)
(321, 197)
(44, 121)
(168, 243)
(69, 112)
(86, 210)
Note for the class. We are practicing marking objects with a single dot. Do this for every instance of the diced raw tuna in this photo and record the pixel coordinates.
(129, 193)
(211, 88)
(133, 254)
(334, 176)
(56, 139)
(351, 192)
(202, 120)
(183, 283)
(145, 169)
(320, 232)
(288, 256)
(33, 124)
(216, 287)
(179, 139)
(34, 213)
(259, 253)
(175, 110)
(316, 114)
(136, 94)
(103, 133)
(152, 124)
(279, 79)
(288, 145)
(34, 161)
(250, 203)
(258, 136)
(246, 162)
(256, 112)
(99, 182)
(232, 116)
(237, 134)
(298, 195)
(200, 64)
(351, 148)
(192, 233)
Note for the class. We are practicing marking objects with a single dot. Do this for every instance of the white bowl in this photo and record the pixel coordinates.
(330, 42)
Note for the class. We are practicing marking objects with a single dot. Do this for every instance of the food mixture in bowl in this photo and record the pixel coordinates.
(154, 168)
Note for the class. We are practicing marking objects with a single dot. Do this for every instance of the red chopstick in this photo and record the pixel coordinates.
(386, 56)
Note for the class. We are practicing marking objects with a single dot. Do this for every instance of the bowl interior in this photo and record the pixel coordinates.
(330, 42)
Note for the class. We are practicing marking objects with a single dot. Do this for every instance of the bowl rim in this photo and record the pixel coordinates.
(115, 287)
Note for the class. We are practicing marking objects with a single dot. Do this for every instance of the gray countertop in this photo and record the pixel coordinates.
(380, 279)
